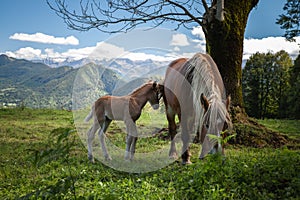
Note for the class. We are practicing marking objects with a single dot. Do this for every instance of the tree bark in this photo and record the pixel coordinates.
(224, 42)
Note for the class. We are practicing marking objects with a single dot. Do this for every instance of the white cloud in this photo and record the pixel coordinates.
(144, 56)
(270, 44)
(197, 31)
(176, 48)
(77, 54)
(251, 46)
(105, 50)
(179, 40)
(43, 38)
(102, 50)
(179, 45)
(28, 53)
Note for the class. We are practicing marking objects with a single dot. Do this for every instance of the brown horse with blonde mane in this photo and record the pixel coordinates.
(125, 108)
(194, 90)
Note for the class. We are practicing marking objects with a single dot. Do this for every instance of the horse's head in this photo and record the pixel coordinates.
(155, 95)
(216, 118)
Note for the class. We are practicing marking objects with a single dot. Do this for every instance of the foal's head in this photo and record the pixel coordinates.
(154, 94)
(216, 117)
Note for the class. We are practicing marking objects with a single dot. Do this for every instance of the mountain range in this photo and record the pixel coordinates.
(73, 85)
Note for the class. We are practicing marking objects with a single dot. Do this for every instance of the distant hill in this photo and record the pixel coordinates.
(37, 85)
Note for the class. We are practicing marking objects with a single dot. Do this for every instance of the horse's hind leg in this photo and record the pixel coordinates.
(91, 136)
(172, 133)
(101, 134)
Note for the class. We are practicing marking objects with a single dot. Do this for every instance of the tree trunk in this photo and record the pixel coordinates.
(224, 42)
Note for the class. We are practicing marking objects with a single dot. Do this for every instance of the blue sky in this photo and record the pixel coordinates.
(29, 28)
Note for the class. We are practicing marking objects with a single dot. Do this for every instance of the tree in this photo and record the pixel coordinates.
(252, 73)
(224, 41)
(281, 82)
(266, 84)
(223, 23)
(290, 21)
(293, 94)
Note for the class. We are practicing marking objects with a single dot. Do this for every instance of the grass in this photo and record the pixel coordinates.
(288, 127)
(43, 158)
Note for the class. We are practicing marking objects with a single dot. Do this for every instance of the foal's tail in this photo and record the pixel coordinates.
(90, 115)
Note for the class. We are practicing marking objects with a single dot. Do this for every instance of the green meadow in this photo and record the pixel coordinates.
(43, 157)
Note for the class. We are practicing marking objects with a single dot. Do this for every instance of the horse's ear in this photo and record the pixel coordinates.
(228, 101)
(154, 85)
(204, 102)
(161, 88)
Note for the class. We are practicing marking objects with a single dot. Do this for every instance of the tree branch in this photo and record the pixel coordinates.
(113, 16)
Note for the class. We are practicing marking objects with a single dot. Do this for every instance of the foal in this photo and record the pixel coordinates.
(125, 108)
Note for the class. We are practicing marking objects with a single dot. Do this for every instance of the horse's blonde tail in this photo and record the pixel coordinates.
(90, 115)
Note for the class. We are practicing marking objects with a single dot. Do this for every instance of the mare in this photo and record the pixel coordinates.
(194, 90)
(124, 108)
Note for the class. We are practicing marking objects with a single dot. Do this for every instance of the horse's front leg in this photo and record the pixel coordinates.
(101, 134)
(130, 140)
(185, 136)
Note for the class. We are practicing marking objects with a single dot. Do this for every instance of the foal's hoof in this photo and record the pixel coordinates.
(173, 156)
(128, 156)
(108, 158)
(91, 158)
(187, 162)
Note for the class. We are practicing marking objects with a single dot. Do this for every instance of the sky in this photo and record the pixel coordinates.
(31, 30)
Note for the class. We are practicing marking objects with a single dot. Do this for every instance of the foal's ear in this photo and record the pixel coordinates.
(228, 101)
(204, 102)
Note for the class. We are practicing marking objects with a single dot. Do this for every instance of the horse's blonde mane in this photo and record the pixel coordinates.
(206, 79)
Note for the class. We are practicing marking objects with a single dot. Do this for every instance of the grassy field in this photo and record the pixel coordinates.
(42, 157)
(288, 127)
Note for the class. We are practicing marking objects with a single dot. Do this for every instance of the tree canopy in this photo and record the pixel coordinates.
(290, 20)
(267, 85)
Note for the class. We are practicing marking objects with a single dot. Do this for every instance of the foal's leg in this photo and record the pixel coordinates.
(101, 134)
(132, 148)
(172, 133)
(91, 136)
(131, 139)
